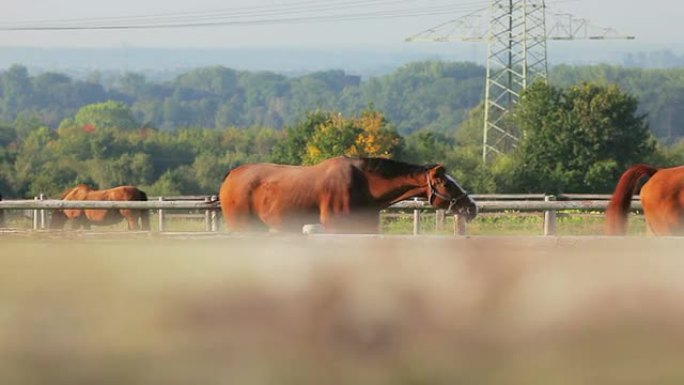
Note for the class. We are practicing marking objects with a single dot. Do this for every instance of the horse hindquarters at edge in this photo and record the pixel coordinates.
(621, 200)
(235, 205)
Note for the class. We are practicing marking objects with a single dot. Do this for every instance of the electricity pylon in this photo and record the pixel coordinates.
(516, 36)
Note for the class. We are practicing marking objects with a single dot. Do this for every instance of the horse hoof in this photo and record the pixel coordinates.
(312, 229)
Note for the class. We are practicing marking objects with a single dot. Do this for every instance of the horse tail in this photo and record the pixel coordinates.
(621, 201)
(144, 214)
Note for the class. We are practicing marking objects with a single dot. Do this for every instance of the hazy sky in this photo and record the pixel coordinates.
(303, 23)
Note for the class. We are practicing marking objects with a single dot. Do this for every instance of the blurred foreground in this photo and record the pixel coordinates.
(341, 310)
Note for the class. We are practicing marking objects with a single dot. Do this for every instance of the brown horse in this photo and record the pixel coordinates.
(662, 198)
(342, 194)
(85, 217)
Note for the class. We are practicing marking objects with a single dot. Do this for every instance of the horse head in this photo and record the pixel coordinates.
(445, 193)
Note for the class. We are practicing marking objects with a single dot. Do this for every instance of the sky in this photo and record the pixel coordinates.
(657, 24)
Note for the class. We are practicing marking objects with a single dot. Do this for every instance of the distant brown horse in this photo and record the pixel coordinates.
(662, 198)
(342, 194)
(85, 217)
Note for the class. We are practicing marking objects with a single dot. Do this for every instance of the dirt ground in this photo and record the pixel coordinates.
(272, 309)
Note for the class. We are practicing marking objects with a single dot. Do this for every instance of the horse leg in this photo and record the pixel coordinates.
(365, 222)
(80, 222)
(236, 218)
(131, 217)
(132, 222)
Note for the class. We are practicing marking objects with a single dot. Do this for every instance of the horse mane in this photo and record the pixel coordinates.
(621, 200)
(389, 168)
(140, 195)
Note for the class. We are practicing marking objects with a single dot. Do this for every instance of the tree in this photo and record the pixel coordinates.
(579, 139)
(292, 148)
(16, 90)
(377, 138)
(334, 137)
(109, 114)
(325, 135)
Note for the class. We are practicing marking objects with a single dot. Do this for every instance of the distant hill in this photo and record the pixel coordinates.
(166, 63)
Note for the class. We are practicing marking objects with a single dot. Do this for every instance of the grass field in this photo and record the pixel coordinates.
(506, 223)
(275, 309)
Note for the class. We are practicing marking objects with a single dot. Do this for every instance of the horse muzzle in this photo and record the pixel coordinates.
(469, 211)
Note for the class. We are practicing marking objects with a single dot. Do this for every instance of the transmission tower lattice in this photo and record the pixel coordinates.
(516, 37)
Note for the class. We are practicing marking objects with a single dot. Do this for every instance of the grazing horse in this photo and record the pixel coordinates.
(342, 194)
(85, 217)
(662, 198)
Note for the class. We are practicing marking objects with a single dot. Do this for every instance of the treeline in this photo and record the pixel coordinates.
(576, 138)
(103, 146)
(433, 96)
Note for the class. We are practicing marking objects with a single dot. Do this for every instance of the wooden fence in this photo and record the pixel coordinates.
(207, 207)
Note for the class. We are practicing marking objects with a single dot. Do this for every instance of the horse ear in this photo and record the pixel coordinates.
(437, 170)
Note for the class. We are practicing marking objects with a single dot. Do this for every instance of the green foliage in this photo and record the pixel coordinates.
(577, 139)
(109, 114)
(292, 148)
(183, 135)
(430, 95)
(332, 138)
(324, 135)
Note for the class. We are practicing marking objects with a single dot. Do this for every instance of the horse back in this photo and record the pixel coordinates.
(267, 181)
(124, 193)
(78, 193)
(281, 196)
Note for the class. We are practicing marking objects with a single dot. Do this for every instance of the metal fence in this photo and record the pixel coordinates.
(206, 208)
(549, 205)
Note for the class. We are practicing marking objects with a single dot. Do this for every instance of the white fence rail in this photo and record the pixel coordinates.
(548, 204)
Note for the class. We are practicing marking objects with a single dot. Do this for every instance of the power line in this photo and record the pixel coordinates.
(297, 12)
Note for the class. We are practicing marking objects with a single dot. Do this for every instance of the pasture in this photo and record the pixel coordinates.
(569, 222)
(151, 308)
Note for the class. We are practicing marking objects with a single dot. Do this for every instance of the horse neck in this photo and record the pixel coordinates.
(386, 191)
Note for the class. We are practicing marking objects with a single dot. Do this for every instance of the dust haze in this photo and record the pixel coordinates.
(341, 310)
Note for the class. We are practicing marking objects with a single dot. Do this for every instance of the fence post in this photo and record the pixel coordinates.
(207, 215)
(35, 216)
(459, 225)
(416, 221)
(214, 215)
(43, 213)
(161, 216)
(439, 219)
(549, 218)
